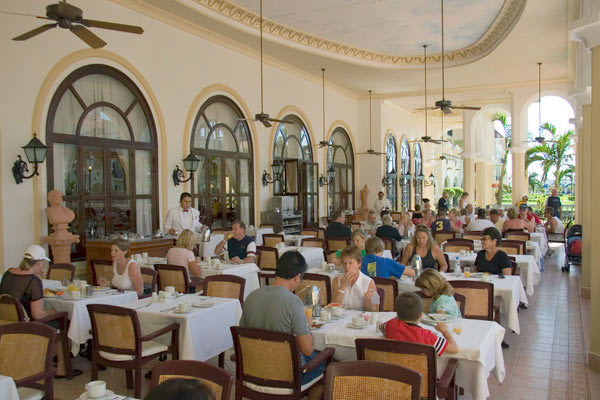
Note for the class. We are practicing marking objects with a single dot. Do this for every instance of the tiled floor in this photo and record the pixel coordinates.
(546, 361)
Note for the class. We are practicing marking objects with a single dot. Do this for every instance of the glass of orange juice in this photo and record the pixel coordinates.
(308, 312)
(457, 325)
(467, 271)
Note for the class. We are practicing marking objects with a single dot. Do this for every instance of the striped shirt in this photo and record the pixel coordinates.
(407, 332)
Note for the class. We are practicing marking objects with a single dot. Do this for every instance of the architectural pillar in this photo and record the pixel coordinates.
(583, 160)
(469, 177)
(469, 154)
(481, 197)
(519, 103)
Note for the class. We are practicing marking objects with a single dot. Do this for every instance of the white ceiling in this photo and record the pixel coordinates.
(541, 34)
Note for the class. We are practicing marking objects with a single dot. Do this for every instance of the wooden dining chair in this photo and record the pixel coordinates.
(11, 310)
(371, 380)
(455, 245)
(522, 244)
(117, 342)
(150, 277)
(313, 242)
(228, 286)
(510, 248)
(472, 235)
(512, 234)
(417, 357)
(61, 271)
(101, 269)
(396, 216)
(310, 232)
(267, 364)
(389, 244)
(323, 282)
(382, 297)
(355, 226)
(272, 239)
(26, 354)
(441, 237)
(513, 265)
(335, 244)
(267, 226)
(447, 258)
(267, 262)
(459, 298)
(390, 287)
(479, 298)
(322, 233)
(217, 379)
(173, 275)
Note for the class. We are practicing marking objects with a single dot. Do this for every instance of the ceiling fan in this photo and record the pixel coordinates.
(324, 143)
(444, 156)
(540, 139)
(445, 105)
(370, 150)
(427, 138)
(70, 17)
(263, 117)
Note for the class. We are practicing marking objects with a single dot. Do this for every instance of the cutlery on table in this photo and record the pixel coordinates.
(145, 305)
(168, 309)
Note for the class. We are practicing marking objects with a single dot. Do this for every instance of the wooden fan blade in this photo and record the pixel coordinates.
(266, 123)
(283, 121)
(426, 109)
(466, 108)
(113, 26)
(35, 32)
(87, 36)
(23, 15)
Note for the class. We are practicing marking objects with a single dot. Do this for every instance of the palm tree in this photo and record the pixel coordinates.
(552, 155)
(501, 117)
(535, 184)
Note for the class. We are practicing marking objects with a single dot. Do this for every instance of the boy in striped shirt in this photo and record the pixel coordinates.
(405, 327)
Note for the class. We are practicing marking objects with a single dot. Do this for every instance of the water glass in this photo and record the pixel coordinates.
(467, 271)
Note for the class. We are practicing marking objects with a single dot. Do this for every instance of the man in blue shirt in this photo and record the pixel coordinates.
(376, 265)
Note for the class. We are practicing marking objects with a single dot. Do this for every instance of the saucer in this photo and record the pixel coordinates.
(351, 325)
(182, 312)
(107, 395)
(337, 316)
(204, 304)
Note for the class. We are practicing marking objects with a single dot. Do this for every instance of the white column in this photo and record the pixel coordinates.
(469, 154)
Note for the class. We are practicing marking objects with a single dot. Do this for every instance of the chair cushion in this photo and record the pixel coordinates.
(148, 348)
(280, 391)
(26, 393)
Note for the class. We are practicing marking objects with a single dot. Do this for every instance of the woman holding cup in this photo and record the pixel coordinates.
(353, 289)
(126, 272)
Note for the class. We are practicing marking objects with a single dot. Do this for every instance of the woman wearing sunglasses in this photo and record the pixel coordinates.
(490, 259)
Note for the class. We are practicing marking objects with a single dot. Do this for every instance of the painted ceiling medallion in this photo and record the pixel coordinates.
(473, 42)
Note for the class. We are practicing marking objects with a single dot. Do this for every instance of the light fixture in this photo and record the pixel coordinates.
(190, 163)
(35, 151)
(425, 182)
(406, 177)
(330, 177)
(390, 178)
(277, 169)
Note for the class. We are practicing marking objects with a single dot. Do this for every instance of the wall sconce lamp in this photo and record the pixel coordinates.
(390, 178)
(406, 177)
(190, 163)
(277, 169)
(35, 151)
(330, 177)
(425, 182)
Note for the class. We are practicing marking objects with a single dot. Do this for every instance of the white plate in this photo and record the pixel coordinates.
(204, 304)
(182, 312)
(429, 320)
(102, 288)
(108, 395)
(351, 325)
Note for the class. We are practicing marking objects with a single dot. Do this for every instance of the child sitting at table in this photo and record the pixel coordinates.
(405, 327)
(376, 265)
(434, 285)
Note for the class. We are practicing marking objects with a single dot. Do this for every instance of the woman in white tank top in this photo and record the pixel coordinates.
(354, 290)
(126, 272)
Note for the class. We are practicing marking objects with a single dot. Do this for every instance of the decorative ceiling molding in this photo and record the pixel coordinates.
(506, 19)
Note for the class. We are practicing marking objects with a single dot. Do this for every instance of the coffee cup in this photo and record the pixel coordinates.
(183, 307)
(358, 320)
(323, 264)
(170, 289)
(154, 296)
(325, 315)
(330, 267)
(485, 277)
(95, 389)
(75, 294)
(337, 311)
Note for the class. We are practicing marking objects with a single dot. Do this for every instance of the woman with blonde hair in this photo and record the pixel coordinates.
(358, 240)
(126, 272)
(423, 244)
(513, 222)
(434, 285)
(182, 254)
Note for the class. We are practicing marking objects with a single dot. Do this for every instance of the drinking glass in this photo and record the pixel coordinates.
(467, 271)
(457, 325)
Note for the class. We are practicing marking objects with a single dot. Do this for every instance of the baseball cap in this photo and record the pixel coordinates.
(523, 207)
(35, 252)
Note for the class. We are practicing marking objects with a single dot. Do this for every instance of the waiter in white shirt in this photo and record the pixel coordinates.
(183, 216)
(381, 204)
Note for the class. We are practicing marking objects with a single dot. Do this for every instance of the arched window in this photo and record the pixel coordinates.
(340, 156)
(293, 148)
(103, 153)
(391, 165)
(223, 184)
(418, 174)
(405, 176)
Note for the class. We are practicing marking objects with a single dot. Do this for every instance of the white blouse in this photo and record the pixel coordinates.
(123, 281)
(354, 297)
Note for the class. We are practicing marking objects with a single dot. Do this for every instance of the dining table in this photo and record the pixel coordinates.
(479, 344)
(51, 284)
(79, 318)
(203, 331)
(8, 389)
(207, 249)
(295, 240)
(314, 256)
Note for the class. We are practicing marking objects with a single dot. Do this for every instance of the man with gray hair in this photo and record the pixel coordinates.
(371, 224)
(389, 231)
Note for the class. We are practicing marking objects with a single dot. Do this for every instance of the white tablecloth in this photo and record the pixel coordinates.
(387, 254)
(533, 248)
(295, 240)
(203, 333)
(480, 350)
(313, 255)
(80, 324)
(50, 284)
(247, 271)
(540, 239)
(207, 249)
(257, 233)
(8, 389)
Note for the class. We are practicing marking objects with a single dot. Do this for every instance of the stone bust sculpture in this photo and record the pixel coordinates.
(57, 213)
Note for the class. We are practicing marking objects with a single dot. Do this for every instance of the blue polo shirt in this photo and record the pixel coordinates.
(381, 267)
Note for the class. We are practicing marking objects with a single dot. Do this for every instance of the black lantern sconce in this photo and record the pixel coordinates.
(406, 177)
(190, 163)
(390, 178)
(35, 151)
(330, 177)
(431, 181)
(277, 169)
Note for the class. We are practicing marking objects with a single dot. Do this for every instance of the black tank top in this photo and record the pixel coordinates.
(428, 261)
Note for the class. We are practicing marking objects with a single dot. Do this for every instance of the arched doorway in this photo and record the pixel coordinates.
(405, 174)
(340, 157)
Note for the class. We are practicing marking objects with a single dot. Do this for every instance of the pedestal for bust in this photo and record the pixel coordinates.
(60, 242)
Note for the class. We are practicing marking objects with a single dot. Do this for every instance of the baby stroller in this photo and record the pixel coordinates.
(573, 246)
